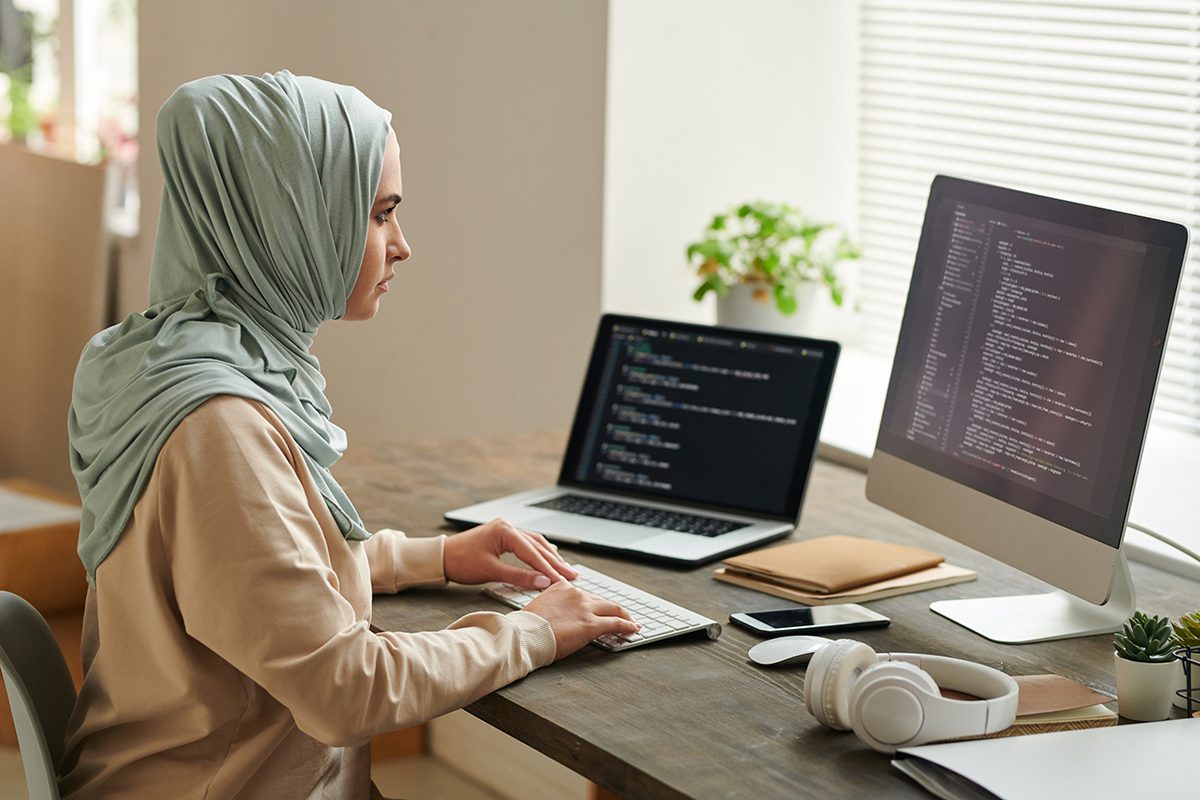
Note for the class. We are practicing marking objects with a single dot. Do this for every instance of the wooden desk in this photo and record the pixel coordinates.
(692, 717)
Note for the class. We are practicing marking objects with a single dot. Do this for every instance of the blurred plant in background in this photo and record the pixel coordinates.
(68, 77)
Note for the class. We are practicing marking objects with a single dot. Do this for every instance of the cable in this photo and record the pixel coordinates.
(1164, 540)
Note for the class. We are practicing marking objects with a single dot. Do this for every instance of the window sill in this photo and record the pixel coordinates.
(1163, 501)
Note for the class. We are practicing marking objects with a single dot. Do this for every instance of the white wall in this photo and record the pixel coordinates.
(499, 108)
(712, 103)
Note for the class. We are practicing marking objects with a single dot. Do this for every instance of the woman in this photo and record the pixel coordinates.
(227, 648)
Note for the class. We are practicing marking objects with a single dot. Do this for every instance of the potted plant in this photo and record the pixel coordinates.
(766, 263)
(1146, 667)
(1187, 634)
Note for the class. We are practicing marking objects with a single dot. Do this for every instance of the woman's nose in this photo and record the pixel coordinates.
(400, 251)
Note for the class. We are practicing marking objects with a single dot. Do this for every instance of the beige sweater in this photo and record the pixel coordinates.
(226, 644)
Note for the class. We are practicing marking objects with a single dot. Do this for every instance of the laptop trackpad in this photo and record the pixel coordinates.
(590, 530)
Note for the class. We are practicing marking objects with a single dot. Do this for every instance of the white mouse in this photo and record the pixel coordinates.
(786, 650)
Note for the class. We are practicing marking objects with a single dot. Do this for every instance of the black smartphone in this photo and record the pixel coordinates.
(809, 619)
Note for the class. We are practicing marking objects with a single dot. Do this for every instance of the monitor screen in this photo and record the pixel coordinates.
(1029, 350)
(700, 415)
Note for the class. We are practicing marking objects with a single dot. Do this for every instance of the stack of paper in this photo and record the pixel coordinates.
(840, 569)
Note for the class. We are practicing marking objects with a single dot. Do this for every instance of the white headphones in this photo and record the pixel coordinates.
(891, 700)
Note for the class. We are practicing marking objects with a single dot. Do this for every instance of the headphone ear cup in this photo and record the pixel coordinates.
(886, 707)
(831, 674)
(898, 669)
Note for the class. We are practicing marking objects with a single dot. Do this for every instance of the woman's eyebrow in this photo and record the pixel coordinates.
(391, 199)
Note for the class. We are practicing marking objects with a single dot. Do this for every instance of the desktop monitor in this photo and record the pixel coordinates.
(1020, 391)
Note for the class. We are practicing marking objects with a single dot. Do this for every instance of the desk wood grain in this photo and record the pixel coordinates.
(692, 717)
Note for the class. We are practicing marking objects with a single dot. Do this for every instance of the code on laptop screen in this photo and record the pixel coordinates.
(701, 415)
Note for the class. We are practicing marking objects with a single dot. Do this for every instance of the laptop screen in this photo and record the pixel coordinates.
(699, 415)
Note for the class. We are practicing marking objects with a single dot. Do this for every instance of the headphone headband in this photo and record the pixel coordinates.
(997, 690)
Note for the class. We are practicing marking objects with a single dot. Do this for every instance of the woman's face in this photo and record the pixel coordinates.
(385, 241)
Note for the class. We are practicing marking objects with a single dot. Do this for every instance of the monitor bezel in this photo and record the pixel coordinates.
(1040, 545)
(806, 454)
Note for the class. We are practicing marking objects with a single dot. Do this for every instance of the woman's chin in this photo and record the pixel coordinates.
(362, 312)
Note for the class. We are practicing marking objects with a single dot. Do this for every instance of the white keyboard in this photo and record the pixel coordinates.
(659, 619)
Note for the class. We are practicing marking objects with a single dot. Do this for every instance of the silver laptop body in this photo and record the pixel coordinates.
(690, 443)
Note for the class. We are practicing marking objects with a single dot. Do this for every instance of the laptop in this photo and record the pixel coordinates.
(690, 443)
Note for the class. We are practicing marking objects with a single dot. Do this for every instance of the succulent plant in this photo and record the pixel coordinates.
(1187, 630)
(1145, 638)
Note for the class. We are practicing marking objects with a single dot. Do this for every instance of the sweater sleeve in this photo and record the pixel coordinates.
(254, 582)
(399, 563)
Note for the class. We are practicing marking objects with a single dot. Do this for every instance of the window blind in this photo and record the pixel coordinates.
(1097, 102)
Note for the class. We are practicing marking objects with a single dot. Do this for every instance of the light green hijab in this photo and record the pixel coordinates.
(269, 184)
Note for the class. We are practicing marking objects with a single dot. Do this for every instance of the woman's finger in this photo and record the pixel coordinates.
(618, 625)
(525, 550)
(602, 607)
(543, 540)
(524, 543)
(552, 555)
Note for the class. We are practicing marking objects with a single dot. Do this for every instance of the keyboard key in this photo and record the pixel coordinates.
(640, 515)
(659, 618)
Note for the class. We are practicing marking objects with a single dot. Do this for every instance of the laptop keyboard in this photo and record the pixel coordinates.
(640, 515)
(659, 618)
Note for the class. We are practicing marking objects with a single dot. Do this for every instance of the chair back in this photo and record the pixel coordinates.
(40, 692)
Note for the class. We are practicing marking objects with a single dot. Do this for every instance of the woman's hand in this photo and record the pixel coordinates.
(577, 617)
(473, 556)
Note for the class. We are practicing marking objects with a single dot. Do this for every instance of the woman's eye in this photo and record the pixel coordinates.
(382, 217)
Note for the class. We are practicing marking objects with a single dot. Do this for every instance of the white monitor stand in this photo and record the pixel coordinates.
(1041, 617)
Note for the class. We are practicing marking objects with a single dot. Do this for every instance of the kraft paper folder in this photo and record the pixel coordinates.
(1049, 703)
(840, 569)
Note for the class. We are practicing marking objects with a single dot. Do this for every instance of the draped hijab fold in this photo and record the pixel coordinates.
(268, 188)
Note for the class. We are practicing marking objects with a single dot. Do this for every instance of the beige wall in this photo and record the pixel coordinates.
(52, 267)
(499, 108)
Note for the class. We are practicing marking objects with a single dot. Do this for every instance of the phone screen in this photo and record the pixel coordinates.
(806, 619)
(816, 615)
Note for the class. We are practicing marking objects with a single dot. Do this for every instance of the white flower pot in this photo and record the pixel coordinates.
(739, 309)
(1144, 689)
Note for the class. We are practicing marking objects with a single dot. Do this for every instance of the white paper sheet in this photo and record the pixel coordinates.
(1091, 763)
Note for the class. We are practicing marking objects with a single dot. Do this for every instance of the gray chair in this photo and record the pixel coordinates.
(40, 692)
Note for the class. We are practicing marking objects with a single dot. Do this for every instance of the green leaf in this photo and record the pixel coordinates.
(1187, 630)
(708, 249)
(785, 299)
(711, 283)
(770, 264)
(836, 294)
(847, 250)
